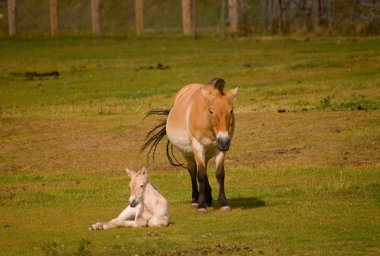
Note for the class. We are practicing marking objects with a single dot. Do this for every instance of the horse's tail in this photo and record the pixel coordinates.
(155, 135)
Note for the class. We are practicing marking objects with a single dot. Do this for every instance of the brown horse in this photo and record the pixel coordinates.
(200, 125)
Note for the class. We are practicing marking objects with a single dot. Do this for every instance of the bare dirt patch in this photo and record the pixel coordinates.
(32, 75)
(305, 139)
(159, 66)
(218, 249)
(104, 144)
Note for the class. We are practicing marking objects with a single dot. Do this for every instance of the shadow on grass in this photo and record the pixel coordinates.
(245, 202)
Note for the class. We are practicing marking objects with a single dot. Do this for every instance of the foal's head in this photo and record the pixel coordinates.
(220, 111)
(138, 183)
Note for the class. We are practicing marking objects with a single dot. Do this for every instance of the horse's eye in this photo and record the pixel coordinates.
(231, 111)
(210, 111)
(141, 186)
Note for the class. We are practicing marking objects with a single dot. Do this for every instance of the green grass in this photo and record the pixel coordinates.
(303, 182)
(292, 211)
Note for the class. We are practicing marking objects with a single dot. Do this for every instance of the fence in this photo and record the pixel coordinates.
(191, 17)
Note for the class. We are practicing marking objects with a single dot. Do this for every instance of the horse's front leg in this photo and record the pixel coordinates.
(200, 160)
(208, 191)
(192, 168)
(219, 160)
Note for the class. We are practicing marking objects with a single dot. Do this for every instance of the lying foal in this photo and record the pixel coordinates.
(147, 207)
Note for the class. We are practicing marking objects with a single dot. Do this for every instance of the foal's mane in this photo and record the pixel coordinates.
(155, 188)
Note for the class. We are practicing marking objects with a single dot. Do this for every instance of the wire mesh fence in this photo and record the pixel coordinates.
(254, 16)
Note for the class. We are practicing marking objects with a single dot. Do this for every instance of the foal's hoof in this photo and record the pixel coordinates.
(91, 228)
(225, 208)
(194, 205)
(202, 210)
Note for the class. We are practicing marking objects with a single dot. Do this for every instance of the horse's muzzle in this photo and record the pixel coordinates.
(223, 143)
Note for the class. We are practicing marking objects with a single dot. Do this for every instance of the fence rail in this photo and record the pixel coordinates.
(187, 16)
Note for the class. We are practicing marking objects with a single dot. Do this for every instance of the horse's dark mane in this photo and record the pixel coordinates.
(218, 84)
(155, 135)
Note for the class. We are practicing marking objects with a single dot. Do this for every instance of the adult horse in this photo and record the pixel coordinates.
(200, 124)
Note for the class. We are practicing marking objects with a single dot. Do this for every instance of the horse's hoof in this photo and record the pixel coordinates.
(225, 208)
(202, 210)
(91, 228)
(194, 205)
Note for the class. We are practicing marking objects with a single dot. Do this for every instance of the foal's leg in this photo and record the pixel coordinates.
(138, 220)
(219, 160)
(162, 221)
(128, 214)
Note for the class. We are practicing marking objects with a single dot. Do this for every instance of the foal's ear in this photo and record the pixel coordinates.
(129, 172)
(144, 171)
(232, 93)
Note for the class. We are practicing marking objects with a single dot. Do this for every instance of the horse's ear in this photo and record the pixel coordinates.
(144, 171)
(129, 172)
(206, 93)
(218, 84)
(232, 93)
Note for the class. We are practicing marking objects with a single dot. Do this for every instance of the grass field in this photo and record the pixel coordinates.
(302, 182)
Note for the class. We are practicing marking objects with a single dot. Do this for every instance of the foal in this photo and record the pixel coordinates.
(147, 207)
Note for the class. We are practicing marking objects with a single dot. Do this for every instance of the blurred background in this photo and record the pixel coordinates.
(251, 17)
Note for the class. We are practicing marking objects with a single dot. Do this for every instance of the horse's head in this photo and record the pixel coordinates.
(137, 185)
(220, 112)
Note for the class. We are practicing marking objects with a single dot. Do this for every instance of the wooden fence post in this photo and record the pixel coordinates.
(281, 16)
(270, 18)
(222, 18)
(188, 13)
(96, 19)
(263, 16)
(139, 15)
(53, 17)
(12, 11)
(328, 12)
(233, 16)
(315, 14)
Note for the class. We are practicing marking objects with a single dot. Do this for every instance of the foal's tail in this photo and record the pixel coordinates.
(155, 135)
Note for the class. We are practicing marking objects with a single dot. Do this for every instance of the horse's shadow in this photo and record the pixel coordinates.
(245, 202)
(242, 202)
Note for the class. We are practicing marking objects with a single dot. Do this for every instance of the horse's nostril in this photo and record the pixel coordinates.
(133, 203)
(223, 143)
